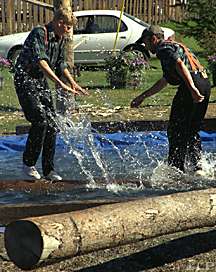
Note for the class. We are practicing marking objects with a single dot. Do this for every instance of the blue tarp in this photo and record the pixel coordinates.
(107, 141)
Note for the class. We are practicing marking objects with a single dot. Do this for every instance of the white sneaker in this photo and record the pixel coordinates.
(53, 176)
(199, 173)
(31, 171)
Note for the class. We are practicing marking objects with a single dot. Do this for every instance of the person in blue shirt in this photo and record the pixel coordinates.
(42, 57)
(180, 67)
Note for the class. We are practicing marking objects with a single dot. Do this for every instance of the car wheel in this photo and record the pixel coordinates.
(13, 54)
(139, 49)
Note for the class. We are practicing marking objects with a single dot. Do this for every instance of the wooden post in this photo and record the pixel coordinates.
(69, 46)
(10, 17)
(131, 7)
(156, 11)
(19, 24)
(150, 11)
(30, 241)
(69, 57)
(3, 14)
(145, 11)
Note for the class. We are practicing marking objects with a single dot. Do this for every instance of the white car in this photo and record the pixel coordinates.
(94, 36)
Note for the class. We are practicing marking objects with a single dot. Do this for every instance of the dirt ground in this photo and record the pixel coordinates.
(186, 251)
(130, 114)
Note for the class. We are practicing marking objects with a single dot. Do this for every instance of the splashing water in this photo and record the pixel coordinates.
(81, 134)
(141, 162)
(135, 158)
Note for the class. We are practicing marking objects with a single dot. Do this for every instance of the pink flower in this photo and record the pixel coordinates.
(212, 58)
(4, 62)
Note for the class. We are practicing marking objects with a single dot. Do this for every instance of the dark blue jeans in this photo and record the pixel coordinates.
(36, 101)
(185, 122)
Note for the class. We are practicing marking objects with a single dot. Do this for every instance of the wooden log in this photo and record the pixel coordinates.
(41, 185)
(30, 241)
(12, 212)
(38, 186)
(209, 124)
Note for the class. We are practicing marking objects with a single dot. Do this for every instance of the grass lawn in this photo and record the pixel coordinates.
(102, 97)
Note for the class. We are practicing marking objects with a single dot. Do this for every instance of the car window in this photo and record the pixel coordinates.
(136, 20)
(93, 24)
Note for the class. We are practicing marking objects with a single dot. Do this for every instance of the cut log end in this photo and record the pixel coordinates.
(23, 243)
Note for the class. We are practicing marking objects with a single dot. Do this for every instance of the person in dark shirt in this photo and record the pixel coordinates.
(42, 57)
(91, 26)
(180, 67)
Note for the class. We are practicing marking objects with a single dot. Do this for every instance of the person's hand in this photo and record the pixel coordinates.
(196, 95)
(67, 88)
(79, 89)
(137, 101)
(75, 89)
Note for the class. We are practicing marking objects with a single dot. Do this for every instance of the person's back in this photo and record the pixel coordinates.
(168, 52)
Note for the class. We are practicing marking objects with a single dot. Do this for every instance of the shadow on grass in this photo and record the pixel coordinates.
(8, 108)
(160, 255)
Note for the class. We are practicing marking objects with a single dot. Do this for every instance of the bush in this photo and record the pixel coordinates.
(126, 69)
(202, 14)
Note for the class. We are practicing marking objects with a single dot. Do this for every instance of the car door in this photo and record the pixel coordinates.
(96, 41)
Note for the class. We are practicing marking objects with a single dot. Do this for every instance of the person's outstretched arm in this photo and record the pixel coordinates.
(73, 83)
(157, 87)
(44, 66)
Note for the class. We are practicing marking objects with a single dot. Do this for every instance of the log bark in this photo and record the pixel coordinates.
(30, 241)
(12, 212)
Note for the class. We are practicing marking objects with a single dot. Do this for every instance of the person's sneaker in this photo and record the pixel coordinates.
(31, 171)
(199, 173)
(53, 176)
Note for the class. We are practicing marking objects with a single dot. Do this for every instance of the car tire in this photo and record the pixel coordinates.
(13, 54)
(138, 48)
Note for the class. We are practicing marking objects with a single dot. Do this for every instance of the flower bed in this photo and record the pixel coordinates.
(126, 69)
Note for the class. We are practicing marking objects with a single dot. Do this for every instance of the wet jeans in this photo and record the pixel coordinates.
(37, 104)
(185, 122)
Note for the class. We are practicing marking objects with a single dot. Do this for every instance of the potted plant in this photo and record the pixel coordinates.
(212, 67)
(126, 69)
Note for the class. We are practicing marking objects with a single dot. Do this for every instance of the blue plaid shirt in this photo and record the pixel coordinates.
(41, 45)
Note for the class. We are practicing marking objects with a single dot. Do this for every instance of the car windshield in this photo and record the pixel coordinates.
(136, 20)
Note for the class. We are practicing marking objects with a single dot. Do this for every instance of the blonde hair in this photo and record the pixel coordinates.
(66, 15)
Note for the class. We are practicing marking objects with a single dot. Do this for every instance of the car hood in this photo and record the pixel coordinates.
(14, 37)
(168, 33)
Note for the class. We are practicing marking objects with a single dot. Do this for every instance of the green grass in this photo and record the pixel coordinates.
(101, 95)
(8, 98)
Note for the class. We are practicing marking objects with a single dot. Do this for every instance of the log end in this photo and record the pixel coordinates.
(23, 243)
